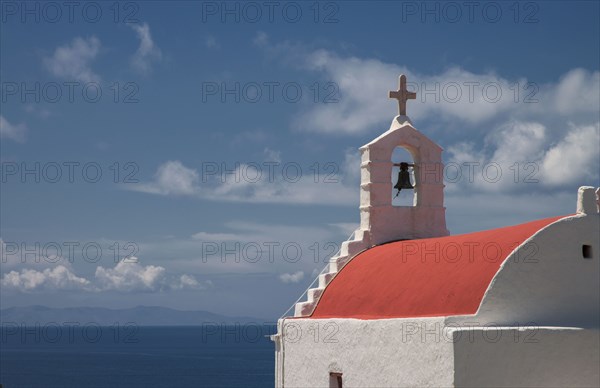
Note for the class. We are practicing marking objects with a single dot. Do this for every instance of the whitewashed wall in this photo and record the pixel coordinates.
(368, 353)
(535, 357)
(429, 352)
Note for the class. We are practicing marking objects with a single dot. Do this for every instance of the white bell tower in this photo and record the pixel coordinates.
(379, 219)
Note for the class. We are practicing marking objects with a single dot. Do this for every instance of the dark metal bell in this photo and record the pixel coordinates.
(403, 181)
(403, 178)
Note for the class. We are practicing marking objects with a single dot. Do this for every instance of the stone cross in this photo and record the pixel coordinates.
(402, 95)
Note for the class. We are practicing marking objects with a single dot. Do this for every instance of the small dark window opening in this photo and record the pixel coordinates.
(586, 251)
(335, 380)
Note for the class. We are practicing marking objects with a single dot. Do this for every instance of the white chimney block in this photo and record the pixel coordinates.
(587, 203)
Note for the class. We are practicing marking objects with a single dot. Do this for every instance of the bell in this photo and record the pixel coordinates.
(403, 179)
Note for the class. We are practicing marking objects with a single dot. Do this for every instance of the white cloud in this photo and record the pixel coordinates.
(57, 278)
(292, 277)
(127, 276)
(574, 158)
(130, 276)
(518, 141)
(172, 178)
(360, 83)
(255, 183)
(455, 96)
(14, 132)
(294, 187)
(72, 61)
(492, 168)
(188, 282)
(147, 52)
(577, 91)
(527, 157)
(363, 83)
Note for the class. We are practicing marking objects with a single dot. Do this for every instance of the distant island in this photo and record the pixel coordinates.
(140, 315)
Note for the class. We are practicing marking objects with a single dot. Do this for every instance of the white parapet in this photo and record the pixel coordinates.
(349, 249)
(587, 200)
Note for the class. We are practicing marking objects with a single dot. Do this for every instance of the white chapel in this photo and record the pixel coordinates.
(406, 304)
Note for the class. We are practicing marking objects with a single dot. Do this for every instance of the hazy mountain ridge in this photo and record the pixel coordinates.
(140, 315)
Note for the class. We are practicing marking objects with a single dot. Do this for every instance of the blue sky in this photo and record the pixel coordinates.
(226, 136)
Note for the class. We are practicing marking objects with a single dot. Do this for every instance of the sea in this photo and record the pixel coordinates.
(128, 356)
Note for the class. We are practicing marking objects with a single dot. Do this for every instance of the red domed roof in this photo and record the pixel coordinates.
(423, 278)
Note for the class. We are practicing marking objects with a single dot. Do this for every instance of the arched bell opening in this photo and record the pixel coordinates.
(404, 192)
